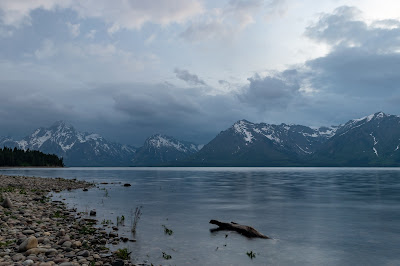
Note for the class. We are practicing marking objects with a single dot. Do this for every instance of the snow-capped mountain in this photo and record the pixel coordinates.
(299, 139)
(251, 144)
(370, 140)
(77, 148)
(160, 149)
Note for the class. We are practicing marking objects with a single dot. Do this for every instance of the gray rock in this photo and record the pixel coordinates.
(35, 251)
(77, 244)
(118, 263)
(93, 213)
(66, 238)
(30, 242)
(66, 264)
(61, 232)
(28, 232)
(7, 203)
(18, 257)
(83, 253)
(28, 262)
(67, 244)
(51, 252)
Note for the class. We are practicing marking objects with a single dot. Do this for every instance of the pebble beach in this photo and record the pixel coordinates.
(35, 230)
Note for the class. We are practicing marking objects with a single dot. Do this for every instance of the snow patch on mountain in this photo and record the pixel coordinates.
(375, 151)
(23, 144)
(300, 138)
(37, 142)
(161, 141)
(63, 140)
(241, 128)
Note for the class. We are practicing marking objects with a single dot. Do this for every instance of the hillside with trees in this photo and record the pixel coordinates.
(19, 157)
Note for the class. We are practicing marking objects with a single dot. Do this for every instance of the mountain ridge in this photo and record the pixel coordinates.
(372, 140)
(76, 148)
(161, 149)
(251, 144)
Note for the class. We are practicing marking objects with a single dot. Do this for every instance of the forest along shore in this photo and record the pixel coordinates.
(34, 230)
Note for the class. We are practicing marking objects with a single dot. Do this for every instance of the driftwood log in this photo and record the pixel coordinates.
(245, 230)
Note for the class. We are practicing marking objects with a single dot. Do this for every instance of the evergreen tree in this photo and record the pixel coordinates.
(18, 157)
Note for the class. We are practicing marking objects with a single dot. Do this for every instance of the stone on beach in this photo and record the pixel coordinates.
(39, 231)
(30, 242)
(7, 203)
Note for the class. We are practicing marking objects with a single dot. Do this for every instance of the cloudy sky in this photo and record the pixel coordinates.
(128, 69)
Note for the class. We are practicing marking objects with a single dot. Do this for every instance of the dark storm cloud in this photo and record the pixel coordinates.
(27, 105)
(185, 113)
(343, 29)
(359, 75)
(364, 59)
(192, 79)
(273, 90)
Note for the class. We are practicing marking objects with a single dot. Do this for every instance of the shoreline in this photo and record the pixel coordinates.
(17, 167)
(38, 231)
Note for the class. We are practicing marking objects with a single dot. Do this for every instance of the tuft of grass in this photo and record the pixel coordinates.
(103, 248)
(166, 256)
(135, 218)
(87, 230)
(120, 220)
(106, 221)
(85, 245)
(7, 189)
(106, 195)
(123, 254)
(7, 243)
(58, 214)
(167, 231)
(251, 254)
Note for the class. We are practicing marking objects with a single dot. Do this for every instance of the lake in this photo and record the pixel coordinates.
(316, 216)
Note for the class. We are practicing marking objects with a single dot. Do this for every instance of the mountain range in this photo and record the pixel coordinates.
(372, 140)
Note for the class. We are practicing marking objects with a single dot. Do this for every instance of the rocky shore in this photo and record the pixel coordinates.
(34, 230)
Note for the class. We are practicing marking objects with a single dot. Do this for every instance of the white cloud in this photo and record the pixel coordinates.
(74, 29)
(224, 22)
(17, 12)
(117, 14)
(47, 50)
(5, 33)
(91, 34)
(150, 39)
(276, 8)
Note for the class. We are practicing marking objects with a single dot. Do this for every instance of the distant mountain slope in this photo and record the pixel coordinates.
(17, 157)
(373, 140)
(160, 149)
(250, 144)
(77, 148)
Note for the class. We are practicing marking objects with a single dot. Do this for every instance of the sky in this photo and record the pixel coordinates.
(128, 69)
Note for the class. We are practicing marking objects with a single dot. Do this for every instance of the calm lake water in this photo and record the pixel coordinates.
(316, 216)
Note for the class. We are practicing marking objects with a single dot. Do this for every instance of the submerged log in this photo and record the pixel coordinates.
(245, 230)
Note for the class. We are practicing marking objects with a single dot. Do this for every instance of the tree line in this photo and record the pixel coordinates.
(18, 157)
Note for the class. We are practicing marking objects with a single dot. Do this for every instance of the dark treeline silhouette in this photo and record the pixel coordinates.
(17, 157)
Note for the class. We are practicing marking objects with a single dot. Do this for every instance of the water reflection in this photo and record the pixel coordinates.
(317, 216)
